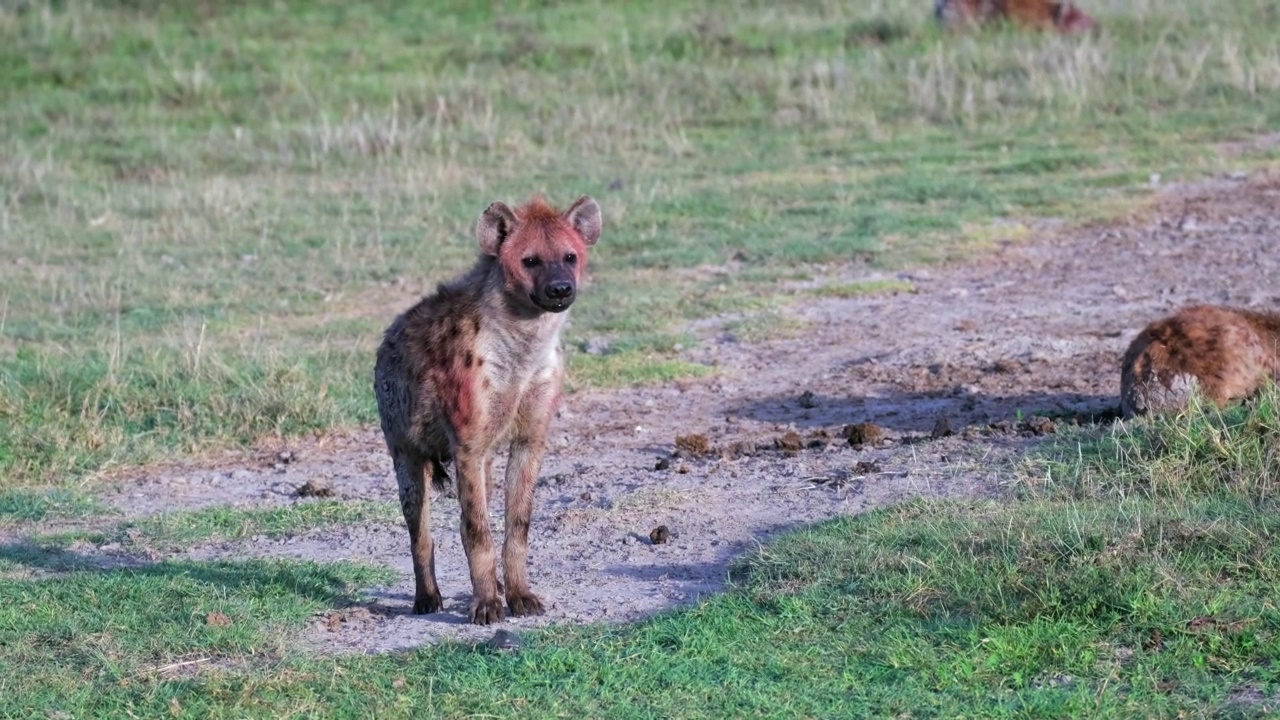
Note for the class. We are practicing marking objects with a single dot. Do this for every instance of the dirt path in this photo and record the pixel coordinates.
(1035, 328)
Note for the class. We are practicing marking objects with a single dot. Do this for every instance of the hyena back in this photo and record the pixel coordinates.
(1224, 353)
(473, 368)
(1064, 17)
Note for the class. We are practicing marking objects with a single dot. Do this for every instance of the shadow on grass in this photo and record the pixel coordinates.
(307, 581)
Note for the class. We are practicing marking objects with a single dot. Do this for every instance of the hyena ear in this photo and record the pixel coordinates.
(495, 224)
(584, 216)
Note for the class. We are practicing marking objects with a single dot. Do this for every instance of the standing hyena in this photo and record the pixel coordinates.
(476, 366)
(1226, 353)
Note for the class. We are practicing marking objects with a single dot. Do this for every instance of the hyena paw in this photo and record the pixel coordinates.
(424, 603)
(485, 611)
(524, 603)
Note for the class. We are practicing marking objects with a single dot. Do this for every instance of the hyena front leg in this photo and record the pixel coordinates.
(477, 537)
(416, 505)
(522, 474)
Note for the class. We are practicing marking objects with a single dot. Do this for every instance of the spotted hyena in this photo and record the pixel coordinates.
(1227, 353)
(1046, 14)
(477, 367)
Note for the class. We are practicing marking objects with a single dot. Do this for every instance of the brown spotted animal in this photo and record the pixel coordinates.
(1226, 353)
(476, 368)
(1064, 17)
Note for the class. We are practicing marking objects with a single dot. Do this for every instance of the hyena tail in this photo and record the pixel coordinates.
(440, 475)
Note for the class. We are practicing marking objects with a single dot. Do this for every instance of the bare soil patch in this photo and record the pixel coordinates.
(881, 398)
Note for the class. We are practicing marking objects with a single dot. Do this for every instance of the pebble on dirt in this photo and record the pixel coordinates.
(808, 400)
(662, 464)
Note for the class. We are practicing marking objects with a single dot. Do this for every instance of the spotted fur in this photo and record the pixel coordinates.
(473, 369)
(1064, 17)
(1225, 353)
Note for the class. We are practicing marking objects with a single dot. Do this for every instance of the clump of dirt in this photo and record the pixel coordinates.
(217, 619)
(863, 433)
(693, 445)
(312, 489)
(738, 448)
(1039, 425)
(808, 400)
(659, 535)
(790, 442)
(942, 428)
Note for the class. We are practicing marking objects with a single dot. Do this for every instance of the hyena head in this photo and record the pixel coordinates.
(1071, 19)
(541, 250)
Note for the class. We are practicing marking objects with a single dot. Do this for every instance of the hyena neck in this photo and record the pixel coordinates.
(517, 326)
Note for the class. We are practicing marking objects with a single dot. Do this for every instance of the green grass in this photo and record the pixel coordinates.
(1108, 590)
(66, 642)
(171, 531)
(224, 523)
(22, 505)
(862, 288)
(208, 212)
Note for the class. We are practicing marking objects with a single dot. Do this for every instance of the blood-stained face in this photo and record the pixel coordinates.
(542, 251)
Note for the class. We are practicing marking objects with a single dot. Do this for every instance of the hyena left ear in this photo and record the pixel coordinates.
(584, 216)
(495, 224)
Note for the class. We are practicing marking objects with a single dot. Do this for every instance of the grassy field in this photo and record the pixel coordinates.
(210, 210)
(1112, 589)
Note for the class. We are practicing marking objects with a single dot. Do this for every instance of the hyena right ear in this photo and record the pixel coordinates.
(495, 224)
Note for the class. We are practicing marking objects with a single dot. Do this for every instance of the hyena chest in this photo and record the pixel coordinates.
(517, 376)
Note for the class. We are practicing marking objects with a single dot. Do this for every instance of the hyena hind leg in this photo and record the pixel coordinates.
(415, 504)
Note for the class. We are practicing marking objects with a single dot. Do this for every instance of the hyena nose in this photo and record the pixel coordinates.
(559, 290)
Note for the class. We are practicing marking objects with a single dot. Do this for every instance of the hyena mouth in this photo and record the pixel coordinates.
(554, 305)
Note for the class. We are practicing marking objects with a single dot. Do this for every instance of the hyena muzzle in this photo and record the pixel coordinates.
(473, 368)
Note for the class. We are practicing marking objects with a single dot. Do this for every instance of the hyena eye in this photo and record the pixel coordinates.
(571, 258)
(532, 261)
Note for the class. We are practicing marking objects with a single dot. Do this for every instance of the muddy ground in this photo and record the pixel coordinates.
(1034, 328)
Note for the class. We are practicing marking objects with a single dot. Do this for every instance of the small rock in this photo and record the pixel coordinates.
(503, 641)
(682, 469)
(662, 464)
(942, 428)
(659, 535)
(585, 497)
(286, 456)
(808, 400)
